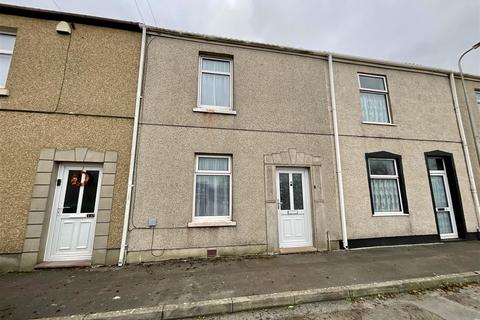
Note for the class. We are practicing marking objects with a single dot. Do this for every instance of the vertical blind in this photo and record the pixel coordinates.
(444, 222)
(439, 194)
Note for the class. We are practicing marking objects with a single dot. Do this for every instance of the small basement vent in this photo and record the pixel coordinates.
(211, 253)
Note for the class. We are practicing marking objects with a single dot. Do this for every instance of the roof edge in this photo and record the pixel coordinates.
(9, 9)
(135, 26)
(316, 53)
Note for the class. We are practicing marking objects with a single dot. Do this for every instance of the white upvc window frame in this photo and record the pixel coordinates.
(376, 91)
(208, 108)
(477, 96)
(390, 177)
(221, 220)
(3, 88)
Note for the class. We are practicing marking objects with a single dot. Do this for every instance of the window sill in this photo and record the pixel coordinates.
(212, 110)
(4, 92)
(203, 224)
(395, 214)
(380, 123)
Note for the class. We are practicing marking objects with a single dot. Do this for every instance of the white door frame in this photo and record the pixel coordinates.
(306, 212)
(56, 213)
(443, 174)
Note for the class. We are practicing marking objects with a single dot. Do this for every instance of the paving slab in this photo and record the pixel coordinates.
(62, 292)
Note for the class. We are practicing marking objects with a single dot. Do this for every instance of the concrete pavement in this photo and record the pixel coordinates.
(80, 291)
(451, 304)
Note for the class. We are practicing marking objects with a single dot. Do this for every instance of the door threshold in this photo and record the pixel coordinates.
(297, 250)
(63, 264)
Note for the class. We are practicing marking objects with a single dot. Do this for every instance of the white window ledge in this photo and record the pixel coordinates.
(202, 224)
(388, 214)
(4, 92)
(212, 110)
(379, 123)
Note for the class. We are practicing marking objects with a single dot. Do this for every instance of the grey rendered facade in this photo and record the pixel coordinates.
(281, 118)
(250, 168)
(67, 101)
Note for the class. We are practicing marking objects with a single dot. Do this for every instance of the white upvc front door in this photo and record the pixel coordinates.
(293, 200)
(74, 213)
(442, 199)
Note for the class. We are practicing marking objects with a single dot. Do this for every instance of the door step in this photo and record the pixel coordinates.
(63, 264)
(297, 250)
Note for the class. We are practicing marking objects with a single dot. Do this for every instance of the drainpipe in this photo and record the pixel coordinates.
(471, 179)
(133, 151)
(337, 153)
(469, 109)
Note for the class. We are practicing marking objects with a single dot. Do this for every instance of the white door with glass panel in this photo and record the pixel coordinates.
(74, 213)
(442, 199)
(294, 219)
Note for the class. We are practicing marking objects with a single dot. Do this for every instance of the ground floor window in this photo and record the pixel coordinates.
(387, 191)
(212, 191)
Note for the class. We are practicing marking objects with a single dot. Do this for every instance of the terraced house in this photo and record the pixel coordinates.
(238, 147)
(247, 148)
(67, 96)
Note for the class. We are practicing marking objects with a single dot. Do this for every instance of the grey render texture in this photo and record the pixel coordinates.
(283, 119)
(59, 110)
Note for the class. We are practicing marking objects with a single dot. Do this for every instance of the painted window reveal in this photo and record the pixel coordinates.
(212, 192)
(7, 42)
(215, 83)
(385, 186)
(374, 99)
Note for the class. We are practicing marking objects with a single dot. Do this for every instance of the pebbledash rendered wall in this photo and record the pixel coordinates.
(70, 98)
(282, 101)
(472, 86)
(282, 120)
(424, 120)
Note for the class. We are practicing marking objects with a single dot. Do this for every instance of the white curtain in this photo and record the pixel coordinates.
(213, 164)
(212, 196)
(215, 65)
(374, 107)
(4, 66)
(215, 90)
(7, 42)
(385, 195)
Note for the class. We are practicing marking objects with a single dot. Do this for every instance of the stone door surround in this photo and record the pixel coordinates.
(41, 202)
(292, 158)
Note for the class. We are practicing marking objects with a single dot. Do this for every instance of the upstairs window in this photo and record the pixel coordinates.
(7, 42)
(374, 99)
(215, 83)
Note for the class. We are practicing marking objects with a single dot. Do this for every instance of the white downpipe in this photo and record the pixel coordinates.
(133, 151)
(471, 179)
(337, 153)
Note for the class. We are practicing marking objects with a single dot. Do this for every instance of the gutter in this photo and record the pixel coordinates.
(133, 151)
(471, 179)
(337, 153)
